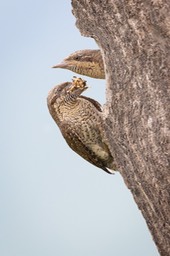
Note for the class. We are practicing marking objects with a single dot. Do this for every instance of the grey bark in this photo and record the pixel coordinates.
(134, 37)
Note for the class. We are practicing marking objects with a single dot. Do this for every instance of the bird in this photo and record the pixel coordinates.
(81, 123)
(85, 62)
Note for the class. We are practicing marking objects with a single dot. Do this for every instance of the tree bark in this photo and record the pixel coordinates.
(134, 37)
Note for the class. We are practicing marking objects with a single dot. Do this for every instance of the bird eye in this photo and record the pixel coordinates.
(77, 57)
(58, 91)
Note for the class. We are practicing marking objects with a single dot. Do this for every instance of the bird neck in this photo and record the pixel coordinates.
(70, 100)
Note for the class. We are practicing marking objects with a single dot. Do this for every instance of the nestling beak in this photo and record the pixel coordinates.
(63, 64)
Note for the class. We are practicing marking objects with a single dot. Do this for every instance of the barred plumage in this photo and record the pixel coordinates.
(81, 123)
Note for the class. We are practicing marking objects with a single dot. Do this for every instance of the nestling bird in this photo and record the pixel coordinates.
(81, 123)
(85, 62)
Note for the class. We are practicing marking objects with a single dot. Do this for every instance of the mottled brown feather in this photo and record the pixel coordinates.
(81, 123)
(75, 143)
(94, 102)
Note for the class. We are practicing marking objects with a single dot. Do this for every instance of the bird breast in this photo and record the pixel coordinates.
(83, 117)
(81, 110)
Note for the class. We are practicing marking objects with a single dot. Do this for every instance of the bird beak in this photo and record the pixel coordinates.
(63, 64)
(77, 91)
(78, 86)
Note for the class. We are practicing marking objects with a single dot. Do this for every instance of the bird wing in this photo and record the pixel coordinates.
(76, 144)
(94, 102)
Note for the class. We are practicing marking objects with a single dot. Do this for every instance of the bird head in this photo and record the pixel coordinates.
(68, 91)
(85, 62)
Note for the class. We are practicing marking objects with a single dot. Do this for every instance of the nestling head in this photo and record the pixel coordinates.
(78, 57)
(85, 62)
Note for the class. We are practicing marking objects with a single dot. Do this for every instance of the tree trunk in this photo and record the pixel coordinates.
(134, 37)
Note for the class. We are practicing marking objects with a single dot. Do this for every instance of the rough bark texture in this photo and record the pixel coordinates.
(134, 37)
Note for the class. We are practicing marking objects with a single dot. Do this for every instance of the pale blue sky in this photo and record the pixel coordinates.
(52, 201)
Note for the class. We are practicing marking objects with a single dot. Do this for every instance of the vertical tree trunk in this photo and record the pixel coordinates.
(134, 37)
